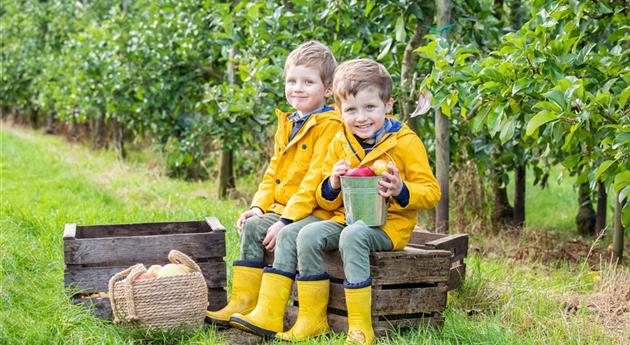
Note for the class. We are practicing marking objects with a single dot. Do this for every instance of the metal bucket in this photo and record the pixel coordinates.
(362, 201)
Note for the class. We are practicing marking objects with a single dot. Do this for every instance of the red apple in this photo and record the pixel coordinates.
(379, 167)
(143, 276)
(361, 171)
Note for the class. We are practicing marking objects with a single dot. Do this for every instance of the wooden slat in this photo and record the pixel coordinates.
(96, 278)
(217, 298)
(395, 301)
(69, 231)
(214, 224)
(410, 266)
(456, 276)
(130, 250)
(381, 325)
(139, 229)
(422, 237)
(456, 244)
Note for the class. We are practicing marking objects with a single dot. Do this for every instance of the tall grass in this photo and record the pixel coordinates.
(46, 182)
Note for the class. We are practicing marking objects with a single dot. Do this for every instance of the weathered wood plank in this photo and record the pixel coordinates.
(97, 278)
(457, 244)
(382, 325)
(410, 266)
(214, 224)
(138, 229)
(130, 250)
(456, 276)
(217, 298)
(69, 231)
(405, 300)
(422, 237)
(395, 301)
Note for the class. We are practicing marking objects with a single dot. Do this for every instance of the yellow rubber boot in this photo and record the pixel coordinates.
(359, 303)
(245, 286)
(267, 318)
(311, 319)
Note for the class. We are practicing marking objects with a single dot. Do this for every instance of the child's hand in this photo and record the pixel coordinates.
(254, 211)
(391, 182)
(338, 169)
(272, 233)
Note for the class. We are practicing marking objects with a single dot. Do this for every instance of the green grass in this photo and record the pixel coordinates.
(46, 182)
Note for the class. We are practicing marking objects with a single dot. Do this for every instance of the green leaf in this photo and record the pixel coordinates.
(557, 97)
(446, 109)
(401, 35)
(625, 215)
(507, 131)
(429, 50)
(622, 180)
(368, 7)
(388, 44)
(623, 97)
(538, 120)
(602, 168)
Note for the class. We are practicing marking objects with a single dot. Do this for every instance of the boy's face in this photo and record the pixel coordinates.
(364, 114)
(304, 89)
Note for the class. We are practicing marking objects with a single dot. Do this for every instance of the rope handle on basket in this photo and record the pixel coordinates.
(177, 257)
(112, 281)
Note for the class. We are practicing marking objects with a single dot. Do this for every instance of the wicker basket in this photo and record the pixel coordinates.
(163, 302)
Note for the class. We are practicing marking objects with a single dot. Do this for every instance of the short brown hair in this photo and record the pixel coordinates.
(314, 54)
(355, 75)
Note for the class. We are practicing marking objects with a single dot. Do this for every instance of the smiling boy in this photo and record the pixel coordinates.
(362, 89)
(285, 200)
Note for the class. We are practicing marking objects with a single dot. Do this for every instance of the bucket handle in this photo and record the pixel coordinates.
(385, 152)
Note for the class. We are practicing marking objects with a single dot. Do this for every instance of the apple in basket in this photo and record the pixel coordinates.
(361, 171)
(173, 270)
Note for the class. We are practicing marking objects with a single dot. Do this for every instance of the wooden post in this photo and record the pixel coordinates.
(618, 231)
(442, 148)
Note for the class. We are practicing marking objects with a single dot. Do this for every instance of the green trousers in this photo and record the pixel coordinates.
(285, 252)
(355, 242)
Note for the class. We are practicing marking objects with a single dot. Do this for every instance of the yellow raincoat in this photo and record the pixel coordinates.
(295, 169)
(410, 157)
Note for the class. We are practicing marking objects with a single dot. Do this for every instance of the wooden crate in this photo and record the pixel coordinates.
(92, 254)
(409, 287)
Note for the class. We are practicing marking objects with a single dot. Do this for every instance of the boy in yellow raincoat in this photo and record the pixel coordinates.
(362, 90)
(285, 200)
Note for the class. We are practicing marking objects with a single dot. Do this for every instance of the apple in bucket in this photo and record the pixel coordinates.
(379, 167)
(361, 171)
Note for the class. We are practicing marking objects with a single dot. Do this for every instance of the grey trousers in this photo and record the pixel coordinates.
(285, 253)
(355, 242)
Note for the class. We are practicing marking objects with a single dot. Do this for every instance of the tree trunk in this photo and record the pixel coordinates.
(406, 83)
(226, 177)
(226, 170)
(618, 231)
(585, 219)
(119, 139)
(98, 132)
(50, 123)
(503, 213)
(442, 148)
(602, 199)
(34, 118)
(519, 195)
